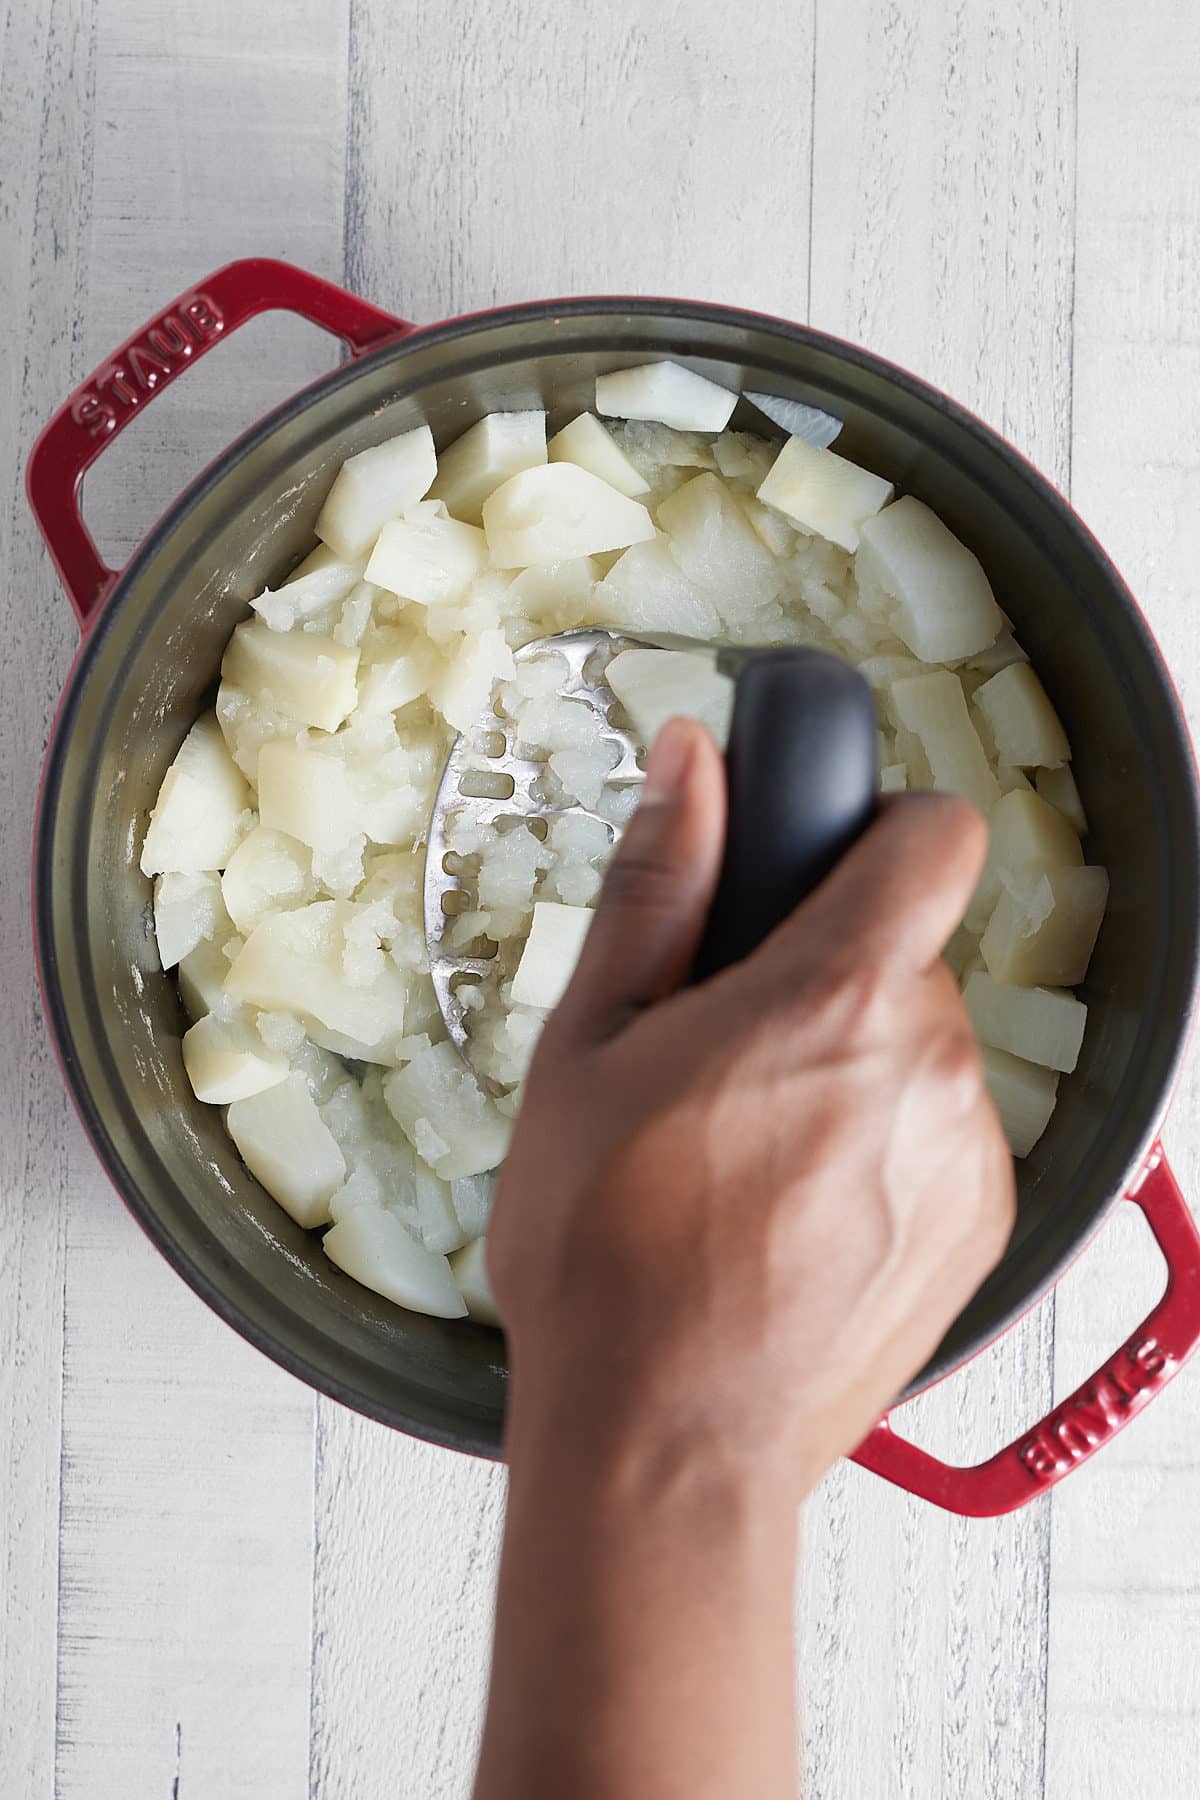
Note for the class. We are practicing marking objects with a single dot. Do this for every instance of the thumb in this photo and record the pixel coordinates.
(658, 889)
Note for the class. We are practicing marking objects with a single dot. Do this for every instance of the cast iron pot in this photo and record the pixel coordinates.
(152, 641)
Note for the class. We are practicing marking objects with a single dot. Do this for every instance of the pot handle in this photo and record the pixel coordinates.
(148, 362)
(1096, 1411)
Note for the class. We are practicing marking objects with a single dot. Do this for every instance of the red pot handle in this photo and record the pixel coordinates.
(1095, 1412)
(147, 363)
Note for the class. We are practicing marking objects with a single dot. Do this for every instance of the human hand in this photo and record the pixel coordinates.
(741, 1215)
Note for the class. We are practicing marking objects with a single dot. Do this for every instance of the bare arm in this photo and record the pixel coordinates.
(733, 1222)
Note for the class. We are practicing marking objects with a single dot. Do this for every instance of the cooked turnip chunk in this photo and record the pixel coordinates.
(1058, 787)
(460, 690)
(1026, 729)
(401, 665)
(427, 559)
(555, 513)
(590, 446)
(472, 1196)
(1044, 926)
(556, 596)
(666, 393)
(469, 1267)
(437, 1221)
(1033, 1022)
(373, 487)
(307, 793)
(373, 1247)
(999, 655)
(297, 962)
(893, 778)
(445, 1114)
(934, 709)
(286, 1144)
(200, 811)
(824, 493)
(1025, 837)
(303, 676)
(928, 587)
(718, 549)
(491, 452)
(304, 598)
(1023, 1094)
(187, 909)
(268, 872)
(654, 685)
(808, 423)
(551, 951)
(226, 1060)
(202, 974)
(647, 591)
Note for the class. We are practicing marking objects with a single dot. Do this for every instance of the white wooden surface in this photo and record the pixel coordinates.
(212, 1585)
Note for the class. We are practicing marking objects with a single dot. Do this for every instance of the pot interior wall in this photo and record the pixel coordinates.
(150, 666)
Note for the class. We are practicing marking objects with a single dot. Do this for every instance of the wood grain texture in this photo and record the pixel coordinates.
(1124, 1681)
(46, 56)
(187, 1460)
(942, 238)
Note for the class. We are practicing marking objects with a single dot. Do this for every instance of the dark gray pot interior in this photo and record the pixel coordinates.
(149, 665)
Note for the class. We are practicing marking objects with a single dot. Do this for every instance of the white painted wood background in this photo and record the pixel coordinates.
(214, 1586)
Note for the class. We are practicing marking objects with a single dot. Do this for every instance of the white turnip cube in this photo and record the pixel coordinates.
(399, 663)
(268, 872)
(1025, 727)
(1044, 926)
(586, 443)
(227, 1060)
(202, 973)
(655, 685)
(445, 1114)
(823, 493)
(809, 423)
(284, 1142)
(309, 596)
(296, 962)
(373, 487)
(498, 447)
(647, 591)
(473, 1196)
(558, 512)
(1026, 835)
(1059, 788)
(667, 393)
(913, 573)
(893, 778)
(308, 794)
(718, 549)
(201, 810)
(1036, 1023)
(557, 596)
(551, 952)
(427, 559)
(934, 709)
(461, 689)
(1023, 1094)
(371, 1245)
(187, 909)
(469, 1267)
(303, 676)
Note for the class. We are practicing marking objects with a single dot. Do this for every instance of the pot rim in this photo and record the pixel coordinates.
(432, 1426)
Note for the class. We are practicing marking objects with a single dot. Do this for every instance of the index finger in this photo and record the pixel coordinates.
(900, 893)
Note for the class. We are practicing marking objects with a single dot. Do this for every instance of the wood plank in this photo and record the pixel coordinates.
(186, 1539)
(45, 195)
(1124, 1682)
(942, 234)
(512, 153)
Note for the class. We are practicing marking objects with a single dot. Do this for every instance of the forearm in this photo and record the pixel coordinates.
(644, 1619)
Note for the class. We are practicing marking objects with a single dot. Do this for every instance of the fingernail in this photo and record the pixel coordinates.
(670, 757)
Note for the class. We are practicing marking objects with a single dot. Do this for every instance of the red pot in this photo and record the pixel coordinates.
(152, 640)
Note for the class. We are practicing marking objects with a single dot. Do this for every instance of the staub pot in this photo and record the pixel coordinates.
(153, 634)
